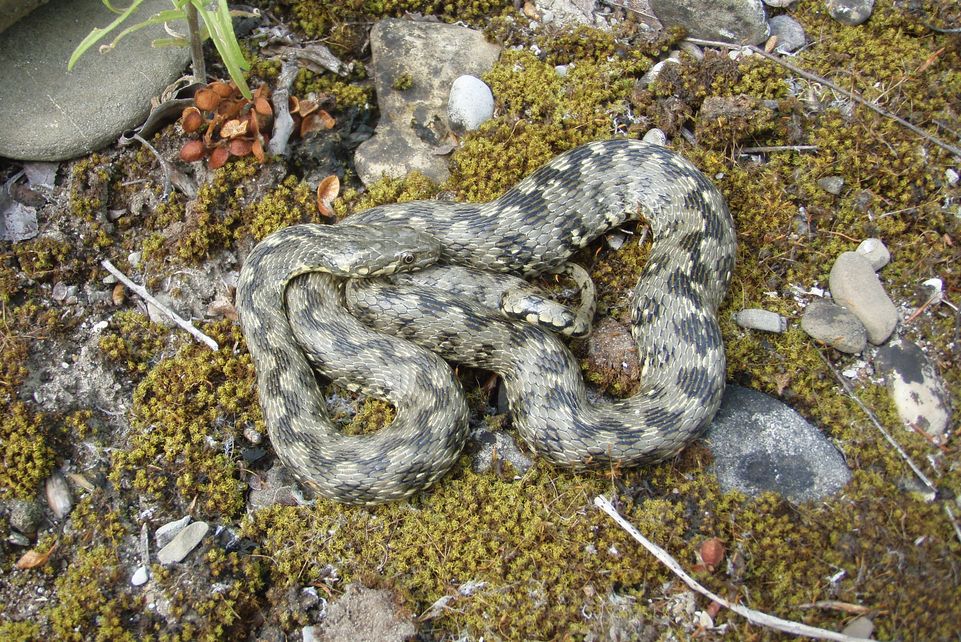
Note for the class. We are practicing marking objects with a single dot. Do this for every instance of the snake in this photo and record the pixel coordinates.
(532, 229)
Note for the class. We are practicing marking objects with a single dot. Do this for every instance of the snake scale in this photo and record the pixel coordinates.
(291, 321)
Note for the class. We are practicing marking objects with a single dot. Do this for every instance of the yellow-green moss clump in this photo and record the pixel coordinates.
(26, 457)
(132, 341)
(187, 413)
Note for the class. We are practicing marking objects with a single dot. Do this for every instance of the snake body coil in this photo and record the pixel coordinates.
(534, 228)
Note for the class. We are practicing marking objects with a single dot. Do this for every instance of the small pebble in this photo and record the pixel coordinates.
(855, 286)
(562, 70)
(756, 319)
(168, 531)
(655, 136)
(831, 184)
(470, 103)
(58, 495)
(140, 576)
(252, 435)
(59, 291)
(859, 627)
(850, 12)
(134, 259)
(18, 539)
(309, 634)
(25, 515)
(652, 73)
(831, 324)
(778, 4)
(875, 252)
(951, 176)
(184, 542)
(789, 32)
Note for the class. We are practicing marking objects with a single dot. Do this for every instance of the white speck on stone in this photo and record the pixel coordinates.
(470, 103)
(875, 252)
(757, 319)
(184, 542)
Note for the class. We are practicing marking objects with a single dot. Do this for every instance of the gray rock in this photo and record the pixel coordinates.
(655, 136)
(831, 184)
(756, 319)
(850, 12)
(916, 388)
(413, 122)
(25, 515)
(18, 222)
(13, 10)
(365, 615)
(499, 444)
(168, 531)
(760, 445)
(50, 114)
(837, 327)
(470, 103)
(951, 176)
(855, 286)
(567, 12)
(789, 32)
(182, 543)
(737, 21)
(875, 252)
(779, 4)
(860, 627)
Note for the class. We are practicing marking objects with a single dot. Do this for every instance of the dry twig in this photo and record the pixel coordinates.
(755, 617)
(140, 290)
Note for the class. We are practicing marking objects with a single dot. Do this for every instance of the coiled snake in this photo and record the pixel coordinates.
(533, 228)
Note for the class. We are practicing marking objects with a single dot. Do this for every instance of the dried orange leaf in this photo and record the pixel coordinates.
(327, 119)
(33, 559)
(222, 89)
(230, 108)
(207, 99)
(307, 107)
(233, 128)
(118, 294)
(258, 150)
(262, 106)
(327, 191)
(193, 150)
(240, 147)
(218, 158)
(191, 119)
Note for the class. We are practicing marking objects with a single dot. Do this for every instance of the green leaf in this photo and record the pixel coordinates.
(222, 34)
(96, 34)
(156, 19)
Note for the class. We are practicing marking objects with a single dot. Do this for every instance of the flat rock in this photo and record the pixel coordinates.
(916, 388)
(835, 326)
(182, 543)
(850, 12)
(760, 445)
(413, 125)
(50, 114)
(365, 615)
(737, 21)
(567, 12)
(855, 286)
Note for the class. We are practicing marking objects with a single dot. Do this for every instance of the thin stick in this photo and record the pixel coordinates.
(954, 522)
(752, 616)
(827, 83)
(778, 148)
(183, 323)
(877, 424)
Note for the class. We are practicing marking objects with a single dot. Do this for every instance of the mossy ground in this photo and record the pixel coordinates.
(544, 564)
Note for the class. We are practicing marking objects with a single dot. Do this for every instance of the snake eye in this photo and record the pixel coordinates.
(407, 258)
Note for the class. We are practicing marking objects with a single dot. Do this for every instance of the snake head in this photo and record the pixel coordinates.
(379, 250)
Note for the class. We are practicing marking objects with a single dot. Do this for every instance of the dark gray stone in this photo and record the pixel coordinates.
(789, 32)
(850, 12)
(737, 21)
(837, 327)
(50, 114)
(760, 445)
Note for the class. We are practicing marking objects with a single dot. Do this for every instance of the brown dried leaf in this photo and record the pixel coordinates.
(262, 106)
(207, 99)
(221, 88)
(711, 552)
(230, 108)
(327, 119)
(306, 107)
(218, 158)
(258, 150)
(118, 295)
(327, 191)
(240, 146)
(191, 119)
(193, 150)
(234, 128)
(33, 559)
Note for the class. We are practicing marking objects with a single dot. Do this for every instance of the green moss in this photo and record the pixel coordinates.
(403, 82)
(289, 203)
(27, 459)
(187, 412)
(43, 257)
(132, 341)
(24, 631)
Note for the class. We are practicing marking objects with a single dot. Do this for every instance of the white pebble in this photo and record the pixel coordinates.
(656, 137)
(140, 576)
(757, 319)
(470, 103)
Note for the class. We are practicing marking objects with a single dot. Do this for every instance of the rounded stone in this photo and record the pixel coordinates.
(917, 390)
(850, 12)
(470, 104)
(757, 319)
(51, 114)
(25, 515)
(831, 184)
(875, 252)
(855, 286)
(182, 543)
(655, 136)
(831, 324)
(789, 32)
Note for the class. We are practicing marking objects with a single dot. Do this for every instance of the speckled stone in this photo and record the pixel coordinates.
(829, 323)
(850, 12)
(917, 390)
(737, 21)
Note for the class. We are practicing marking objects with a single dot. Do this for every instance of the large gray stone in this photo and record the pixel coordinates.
(918, 393)
(49, 114)
(855, 286)
(413, 125)
(737, 21)
(13, 10)
(760, 445)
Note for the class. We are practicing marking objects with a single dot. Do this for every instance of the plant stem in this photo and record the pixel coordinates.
(196, 46)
